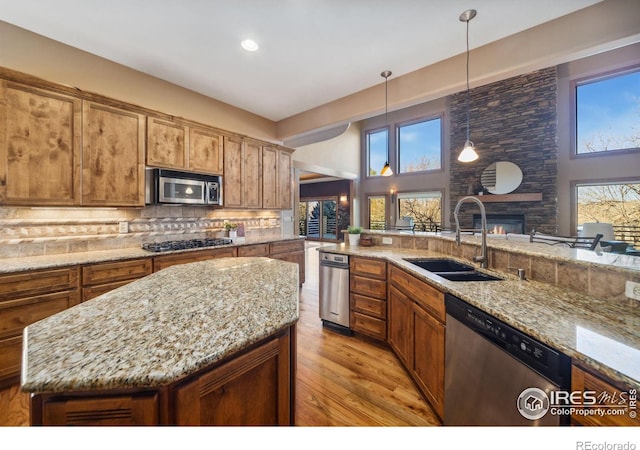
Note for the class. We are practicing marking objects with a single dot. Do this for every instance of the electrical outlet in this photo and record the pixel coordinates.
(632, 290)
(123, 227)
(387, 240)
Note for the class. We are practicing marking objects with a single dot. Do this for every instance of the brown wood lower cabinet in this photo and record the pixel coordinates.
(254, 250)
(164, 261)
(291, 251)
(256, 387)
(417, 333)
(610, 398)
(104, 277)
(26, 298)
(368, 297)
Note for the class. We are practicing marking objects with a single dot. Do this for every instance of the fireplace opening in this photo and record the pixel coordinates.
(501, 223)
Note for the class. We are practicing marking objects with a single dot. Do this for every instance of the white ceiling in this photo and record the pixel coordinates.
(311, 51)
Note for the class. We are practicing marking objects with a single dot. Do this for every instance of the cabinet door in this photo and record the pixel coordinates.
(219, 397)
(372, 268)
(254, 250)
(162, 262)
(205, 151)
(401, 326)
(252, 175)
(270, 178)
(232, 172)
(428, 358)
(112, 156)
(39, 147)
(166, 144)
(284, 180)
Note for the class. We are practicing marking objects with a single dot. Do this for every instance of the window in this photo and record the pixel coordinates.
(608, 114)
(425, 208)
(615, 203)
(377, 212)
(377, 154)
(420, 146)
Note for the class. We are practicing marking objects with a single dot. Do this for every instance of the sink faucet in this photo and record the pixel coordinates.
(482, 259)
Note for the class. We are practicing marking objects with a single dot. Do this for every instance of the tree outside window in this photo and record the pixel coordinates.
(615, 203)
(377, 212)
(425, 208)
(420, 146)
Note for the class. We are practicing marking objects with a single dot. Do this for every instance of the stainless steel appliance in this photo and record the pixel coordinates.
(167, 246)
(489, 365)
(172, 187)
(334, 291)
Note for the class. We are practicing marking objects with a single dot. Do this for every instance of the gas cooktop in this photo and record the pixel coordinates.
(168, 246)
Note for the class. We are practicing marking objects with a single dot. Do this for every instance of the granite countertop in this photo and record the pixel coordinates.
(161, 328)
(520, 243)
(603, 335)
(10, 265)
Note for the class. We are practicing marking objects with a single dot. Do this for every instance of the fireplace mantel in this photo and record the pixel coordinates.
(504, 198)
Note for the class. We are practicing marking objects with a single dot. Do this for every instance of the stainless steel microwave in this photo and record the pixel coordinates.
(173, 187)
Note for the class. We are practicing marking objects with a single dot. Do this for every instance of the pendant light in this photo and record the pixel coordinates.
(386, 170)
(468, 153)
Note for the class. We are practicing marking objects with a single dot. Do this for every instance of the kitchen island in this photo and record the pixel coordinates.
(209, 342)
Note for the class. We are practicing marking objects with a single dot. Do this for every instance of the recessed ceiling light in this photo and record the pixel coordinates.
(249, 45)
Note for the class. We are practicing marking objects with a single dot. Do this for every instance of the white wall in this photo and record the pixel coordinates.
(340, 154)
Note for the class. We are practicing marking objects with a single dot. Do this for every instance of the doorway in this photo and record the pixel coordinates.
(319, 219)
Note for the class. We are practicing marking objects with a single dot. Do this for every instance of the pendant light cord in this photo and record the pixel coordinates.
(467, 99)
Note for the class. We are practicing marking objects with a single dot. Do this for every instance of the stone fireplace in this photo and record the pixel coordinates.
(512, 120)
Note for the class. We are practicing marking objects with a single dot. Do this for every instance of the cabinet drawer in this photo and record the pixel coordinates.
(17, 314)
(584, 381)
(94, 291)
(116, 271)
(38, 282)
(428, 297)
(370, 326)
(162, 262)
(368, 286)
(286, 247)
(10, 357)
(254, 250)
(372, 268)
(369, 306)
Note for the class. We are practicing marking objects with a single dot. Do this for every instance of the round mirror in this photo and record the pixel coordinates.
(501, 177)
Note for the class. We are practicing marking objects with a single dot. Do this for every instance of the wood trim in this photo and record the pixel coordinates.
(505, 198)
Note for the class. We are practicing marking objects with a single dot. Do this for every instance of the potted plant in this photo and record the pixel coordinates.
(232, 228)
(354, 234)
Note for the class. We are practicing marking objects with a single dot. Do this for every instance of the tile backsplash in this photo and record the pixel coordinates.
(50, 231)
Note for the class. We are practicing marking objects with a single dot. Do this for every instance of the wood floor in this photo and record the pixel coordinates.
(342, 381)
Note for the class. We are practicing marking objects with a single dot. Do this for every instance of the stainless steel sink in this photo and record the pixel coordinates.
(452, 270)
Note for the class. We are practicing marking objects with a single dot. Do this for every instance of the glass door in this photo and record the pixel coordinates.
(318, 219)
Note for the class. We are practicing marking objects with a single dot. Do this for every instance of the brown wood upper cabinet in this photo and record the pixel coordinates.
(242, 173)
(40, 150)
(112, 156)
(167, 144)
(172, 145)
(276, 178)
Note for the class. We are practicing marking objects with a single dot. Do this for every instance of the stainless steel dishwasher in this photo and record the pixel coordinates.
(497, 375)
(334, 291)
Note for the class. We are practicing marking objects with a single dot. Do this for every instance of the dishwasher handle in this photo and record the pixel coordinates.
(336, 265)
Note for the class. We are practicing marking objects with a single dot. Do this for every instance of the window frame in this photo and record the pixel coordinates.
(367, 133)
(574, 84)
(398, 150)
